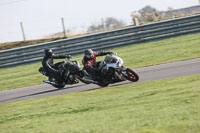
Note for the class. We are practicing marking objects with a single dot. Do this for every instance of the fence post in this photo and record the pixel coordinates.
(63, 25)
(23, 33)
(136, 22)
(103, 24)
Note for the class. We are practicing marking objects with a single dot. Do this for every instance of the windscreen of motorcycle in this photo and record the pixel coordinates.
(120, 61)
(113, 59)
(109, 59)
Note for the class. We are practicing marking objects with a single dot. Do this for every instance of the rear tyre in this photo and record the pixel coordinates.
(131, 75)
(58, 86)
(102, 84)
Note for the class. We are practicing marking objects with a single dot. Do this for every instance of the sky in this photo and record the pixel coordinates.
(43, 17)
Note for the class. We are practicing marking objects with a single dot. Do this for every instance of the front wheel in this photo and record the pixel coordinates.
(81, 77)
(131, 75)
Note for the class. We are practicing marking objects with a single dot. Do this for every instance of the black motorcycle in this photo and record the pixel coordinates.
(111, 70)
(69, 73)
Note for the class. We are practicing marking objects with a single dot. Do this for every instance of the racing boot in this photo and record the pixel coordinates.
(50, 82)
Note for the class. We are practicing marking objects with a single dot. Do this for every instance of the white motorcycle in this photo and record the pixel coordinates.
(111, 70)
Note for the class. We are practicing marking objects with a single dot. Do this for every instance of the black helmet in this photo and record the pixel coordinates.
(48, 52)
(89, 53)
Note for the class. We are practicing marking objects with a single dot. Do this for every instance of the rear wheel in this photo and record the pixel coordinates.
(131, 75)
(103, 84)
(59, 86)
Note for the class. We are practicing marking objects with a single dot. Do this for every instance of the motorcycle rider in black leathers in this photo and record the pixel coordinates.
(51, 69)
(89, 61)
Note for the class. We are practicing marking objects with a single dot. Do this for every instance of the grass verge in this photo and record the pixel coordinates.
(165, 106)
(169, 50)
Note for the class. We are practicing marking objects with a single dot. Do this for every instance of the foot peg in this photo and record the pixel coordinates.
(50, 82)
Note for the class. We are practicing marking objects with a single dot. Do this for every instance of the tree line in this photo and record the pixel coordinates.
(144, 15)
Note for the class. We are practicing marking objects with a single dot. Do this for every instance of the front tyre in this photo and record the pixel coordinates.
(81, 77)
(131, 75)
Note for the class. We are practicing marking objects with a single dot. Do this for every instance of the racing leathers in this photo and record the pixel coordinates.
(90, 64)
(51, 68)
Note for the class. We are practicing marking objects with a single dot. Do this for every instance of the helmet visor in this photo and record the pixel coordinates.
(90, 55)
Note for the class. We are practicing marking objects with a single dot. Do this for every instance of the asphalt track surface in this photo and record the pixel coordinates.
(157, 72)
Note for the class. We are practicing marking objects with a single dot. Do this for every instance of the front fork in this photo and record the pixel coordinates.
(123, 71)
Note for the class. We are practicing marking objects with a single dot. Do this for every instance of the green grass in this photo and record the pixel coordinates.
(165, 106)
(169, 50)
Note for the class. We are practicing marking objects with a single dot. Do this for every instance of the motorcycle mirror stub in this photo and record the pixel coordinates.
(68, 56)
